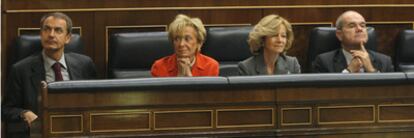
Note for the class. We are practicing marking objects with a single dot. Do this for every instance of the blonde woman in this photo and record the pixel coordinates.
(269, 40)
(187, 35)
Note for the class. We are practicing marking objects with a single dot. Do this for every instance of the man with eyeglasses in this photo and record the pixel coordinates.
(19, 107)
(351, 31)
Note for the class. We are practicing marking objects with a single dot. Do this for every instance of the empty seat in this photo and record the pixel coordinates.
(227, 45)
(404, 52)
(132, 54)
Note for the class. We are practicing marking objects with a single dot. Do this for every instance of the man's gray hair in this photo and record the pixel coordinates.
(58, 15)
(340, 21)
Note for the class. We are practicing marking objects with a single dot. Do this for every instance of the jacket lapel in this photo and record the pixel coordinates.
(260, 65)
(374, 62)
(37, 75)
(281, 65)
(73, 69)
(38, 71)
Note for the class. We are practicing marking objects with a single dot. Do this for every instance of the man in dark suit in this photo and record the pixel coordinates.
(19, 107)
(351, 30)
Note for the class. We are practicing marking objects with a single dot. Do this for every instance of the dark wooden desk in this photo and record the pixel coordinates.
(282, 106)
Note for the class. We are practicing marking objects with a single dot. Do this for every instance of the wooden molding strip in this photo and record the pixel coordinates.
(20, 29)
(213, 8)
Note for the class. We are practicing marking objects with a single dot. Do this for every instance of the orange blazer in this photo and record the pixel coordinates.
(167, 66)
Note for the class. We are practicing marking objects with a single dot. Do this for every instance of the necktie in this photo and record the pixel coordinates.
(57, 69)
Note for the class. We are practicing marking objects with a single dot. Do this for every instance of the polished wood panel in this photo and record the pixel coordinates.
(236, 16)
(296, 116)
(50, 4)
(229, 118)
(36, 31)
(396, 113)
(139, 28)
(60, 124)
(120, 121)
(190, 119)
(329, 115)
(365, 93)
(145, 98)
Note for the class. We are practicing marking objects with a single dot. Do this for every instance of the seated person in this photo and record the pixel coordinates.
(269, 40)
(187, 35)
(19, 107)
(351, 30)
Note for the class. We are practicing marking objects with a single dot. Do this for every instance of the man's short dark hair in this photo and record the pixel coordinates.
(58, 15)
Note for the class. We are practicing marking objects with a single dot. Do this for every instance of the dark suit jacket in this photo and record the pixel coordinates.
(255, 65)
(335, 62)
(23, 85)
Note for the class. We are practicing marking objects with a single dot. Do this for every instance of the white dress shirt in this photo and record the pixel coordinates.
(348, 57)
(49, 62)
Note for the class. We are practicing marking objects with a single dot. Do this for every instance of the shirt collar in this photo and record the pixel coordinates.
(348, 56)
(197, 62)
(193, 62)
(48, 62)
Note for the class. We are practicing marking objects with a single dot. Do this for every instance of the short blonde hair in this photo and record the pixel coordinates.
(181, 21)
(268, 26)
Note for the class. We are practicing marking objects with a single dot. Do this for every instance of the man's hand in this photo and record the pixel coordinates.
(355, 65)
(184, 67)
(29, 117)
(363, 55)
